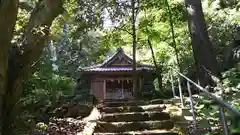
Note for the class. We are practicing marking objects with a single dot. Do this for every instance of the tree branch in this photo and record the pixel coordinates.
(23, 56)
(26, 6)
(120, 28)
(36, 33)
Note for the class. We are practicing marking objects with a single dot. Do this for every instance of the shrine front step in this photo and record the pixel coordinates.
(135, 116)
(145, 132)
(132, 103)
(133, 126)
(143, 108)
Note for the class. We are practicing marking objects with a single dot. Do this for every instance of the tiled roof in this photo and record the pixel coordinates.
(115, 69)
(103, 67)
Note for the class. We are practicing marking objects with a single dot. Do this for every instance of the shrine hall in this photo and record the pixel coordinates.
(113, 78)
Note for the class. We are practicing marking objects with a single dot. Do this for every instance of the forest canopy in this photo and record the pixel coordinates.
(44, 42)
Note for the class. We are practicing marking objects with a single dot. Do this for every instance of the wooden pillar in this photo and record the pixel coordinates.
(122, 88)
(104, 89)
(91, 87)
(140, 85)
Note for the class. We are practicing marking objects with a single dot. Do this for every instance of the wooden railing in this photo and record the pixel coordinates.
(222, 104)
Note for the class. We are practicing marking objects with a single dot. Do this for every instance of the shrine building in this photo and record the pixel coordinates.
(112, 79)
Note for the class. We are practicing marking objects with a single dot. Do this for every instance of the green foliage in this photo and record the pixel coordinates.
(229, 91)
(223, 28)
(154, 24)
(89, 41)
(42, 126)
(45, 79)
(231, 78)
(41, 91)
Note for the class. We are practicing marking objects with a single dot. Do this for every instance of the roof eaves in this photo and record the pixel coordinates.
(100, 64)
(105, 62)
(108, 59)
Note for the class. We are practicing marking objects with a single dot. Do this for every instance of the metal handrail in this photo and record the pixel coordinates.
(219, 100)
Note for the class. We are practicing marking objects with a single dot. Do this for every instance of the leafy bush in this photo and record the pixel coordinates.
(231, 78)
(41, 92)
(229, 90)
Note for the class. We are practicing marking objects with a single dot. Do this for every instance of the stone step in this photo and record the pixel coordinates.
(135, 116)
(143, 108)
(145, 132)
(117, 100)
(186, 111)
(173, 100)
(200, 123)
(199, 131)
(133, 126)
(132, 103)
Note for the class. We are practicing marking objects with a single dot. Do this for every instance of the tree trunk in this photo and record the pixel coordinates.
(134, 42)
(22, 61)
(158, 68)
(8, 15)
(205, 59)
(173, 37)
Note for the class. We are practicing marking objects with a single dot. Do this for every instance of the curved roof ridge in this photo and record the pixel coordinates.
(111, 58)
(102, 63)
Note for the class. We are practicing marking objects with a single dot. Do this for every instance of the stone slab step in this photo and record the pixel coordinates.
(145, 132)
(156, 107)
(172, 100)
(135, 116)
(200, 123)
(117, 100)
(133, 126)
(185, 127)
(200, 132)
(187, 111)
(132, 103)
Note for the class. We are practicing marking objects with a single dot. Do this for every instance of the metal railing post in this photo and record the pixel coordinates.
(214, 97)
(218, 99)
(180, 91)
(223, 120)
(198, 82)
(174, 94)
(192, 106)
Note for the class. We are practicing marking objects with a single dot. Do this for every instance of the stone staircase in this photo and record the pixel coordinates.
(134, 118)
(183, 118)
(185, 123)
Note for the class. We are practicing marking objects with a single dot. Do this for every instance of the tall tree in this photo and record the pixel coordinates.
(21, 58)
(174, 45)
(8, 15)
(157, 67)
(205, 59)
(134, 44)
